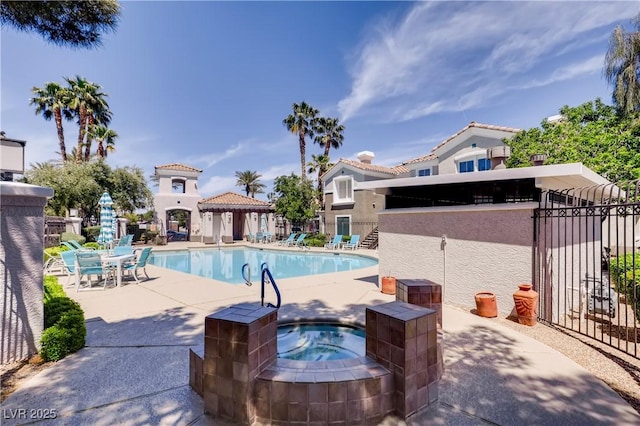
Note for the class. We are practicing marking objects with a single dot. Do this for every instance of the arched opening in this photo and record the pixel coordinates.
(178, 225)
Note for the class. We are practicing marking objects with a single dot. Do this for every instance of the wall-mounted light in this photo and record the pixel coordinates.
(374, 204)
(229, 218)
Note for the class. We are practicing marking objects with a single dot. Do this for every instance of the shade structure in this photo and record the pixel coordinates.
(263, 223)
(107, 221)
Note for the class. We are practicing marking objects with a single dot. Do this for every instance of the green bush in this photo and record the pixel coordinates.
(65, 330)
(625, 273)
(92, 244)
(92, 233)
(70, 236)
(150, 235)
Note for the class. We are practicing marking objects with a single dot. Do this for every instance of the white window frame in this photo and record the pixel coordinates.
(349, 199)
(348, 216)
(424, 169)
(475, 155)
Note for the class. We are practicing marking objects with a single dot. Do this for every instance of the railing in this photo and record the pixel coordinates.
(266, 277)
(357, 228)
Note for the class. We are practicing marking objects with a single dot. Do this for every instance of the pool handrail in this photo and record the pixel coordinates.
(247, 281)
(267, 272)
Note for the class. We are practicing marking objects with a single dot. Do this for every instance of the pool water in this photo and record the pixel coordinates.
(320, 342)
(226, 264)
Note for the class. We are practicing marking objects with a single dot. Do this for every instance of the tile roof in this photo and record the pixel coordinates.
(476, 125)
(232, 198)
(178, 167)
(396, 170)
(421, 159)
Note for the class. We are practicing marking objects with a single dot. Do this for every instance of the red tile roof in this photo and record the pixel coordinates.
(396, 170)
(178, 167)
(232, 198)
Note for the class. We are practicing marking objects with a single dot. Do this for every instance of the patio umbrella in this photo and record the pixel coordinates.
(263, 223)
(107, 220)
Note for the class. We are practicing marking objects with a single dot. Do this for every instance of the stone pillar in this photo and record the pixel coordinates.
(403, 338)
(21, 255)
(122, 227)
(239, 343)
(427, 294)
(74, 225)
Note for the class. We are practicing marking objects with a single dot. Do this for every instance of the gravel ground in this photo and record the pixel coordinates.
(620, 371)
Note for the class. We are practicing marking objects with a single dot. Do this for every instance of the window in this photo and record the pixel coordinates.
(342, 225)
(178, 186)
(473, 145)
(465, 166)
(424, 172)
(343, 190)
(484, 164)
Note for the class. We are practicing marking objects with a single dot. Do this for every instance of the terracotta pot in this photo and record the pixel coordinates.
(389, 285)
(526, 300)
(486, 304)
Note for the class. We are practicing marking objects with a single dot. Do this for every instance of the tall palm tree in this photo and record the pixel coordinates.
(329, 134)
(301, 123)
(251, 182)
(89, 106)
(622, 68)
(106, 139)
(320, 164)
(50, 101)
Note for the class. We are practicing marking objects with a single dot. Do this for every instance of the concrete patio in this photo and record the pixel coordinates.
(134, 368)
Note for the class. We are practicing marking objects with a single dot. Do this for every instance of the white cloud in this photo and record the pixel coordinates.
(217, 185)
(588, 66)
(450, 56)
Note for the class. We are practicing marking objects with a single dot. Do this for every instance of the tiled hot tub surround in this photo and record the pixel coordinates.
(243, 381)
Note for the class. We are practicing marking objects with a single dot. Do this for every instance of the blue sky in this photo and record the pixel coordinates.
(208, 83)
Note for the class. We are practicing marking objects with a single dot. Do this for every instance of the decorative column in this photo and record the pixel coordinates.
(21, 251)
(403, 338)
(239, 343)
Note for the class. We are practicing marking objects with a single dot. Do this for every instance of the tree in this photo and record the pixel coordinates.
(51, 101)
(320, 164)
(301, 123)
(72, 23)
(295, 199)
(622, 66)
(329, 134)
(591, 133)
(251, 182)
(106, 139)
(89, 106)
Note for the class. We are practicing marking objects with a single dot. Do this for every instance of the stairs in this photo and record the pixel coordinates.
(371, 240)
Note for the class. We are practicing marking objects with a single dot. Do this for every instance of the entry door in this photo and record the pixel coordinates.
(238, 226)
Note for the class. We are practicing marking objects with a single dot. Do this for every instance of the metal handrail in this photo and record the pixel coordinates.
(265, 277)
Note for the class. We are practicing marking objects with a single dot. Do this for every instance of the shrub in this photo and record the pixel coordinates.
(65, 331)
(70, 236)
(625, 273)
(150, 235)
(92, 244)
(92, 232)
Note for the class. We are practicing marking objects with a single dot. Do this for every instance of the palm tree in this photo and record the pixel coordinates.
(89, 107)
(106, 139)
(320, 164)
(50, 101)
(301, 123)
(622, 66)
(329, 134)
(251, 182)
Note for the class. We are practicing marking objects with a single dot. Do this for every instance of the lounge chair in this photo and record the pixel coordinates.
(300, 242)
(52, 263)
(353, 242)
(140, 263)
(125, 241)
(259, 237)
(122, 250)
(74, 245)
(288, 241)
(268, 237)
(69, 264)
(90, 263)
(335, 243)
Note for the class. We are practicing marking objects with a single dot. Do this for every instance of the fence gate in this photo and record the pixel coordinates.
(587, 262)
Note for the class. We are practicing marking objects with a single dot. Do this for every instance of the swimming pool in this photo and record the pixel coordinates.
(226, 264)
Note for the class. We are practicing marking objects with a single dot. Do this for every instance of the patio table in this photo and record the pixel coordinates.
(118, 260)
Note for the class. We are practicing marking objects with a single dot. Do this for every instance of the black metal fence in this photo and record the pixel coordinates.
(587, 262)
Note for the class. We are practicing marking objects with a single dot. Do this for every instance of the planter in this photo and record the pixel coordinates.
(486, 304)
(526, 301)
(389, 285)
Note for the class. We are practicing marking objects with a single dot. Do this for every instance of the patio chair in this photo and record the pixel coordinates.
(299, 242)
(52, 263)
(288, 241)
(90, 263)
(125, 241)
(122, 250)
(259, 237)
(69, 264)
(335, 243)
(140, 263)
(353, 242)
(74, 245)
(268, 237)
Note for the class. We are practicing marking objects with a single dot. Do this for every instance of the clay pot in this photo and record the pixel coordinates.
(526, 301)
(486, 304)
(389, 285)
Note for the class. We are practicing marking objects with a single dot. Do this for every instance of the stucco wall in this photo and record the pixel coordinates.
(21, 255)
(446, 161)
(362, 210)
(487, 248)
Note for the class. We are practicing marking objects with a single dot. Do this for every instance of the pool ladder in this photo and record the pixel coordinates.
(266, 277)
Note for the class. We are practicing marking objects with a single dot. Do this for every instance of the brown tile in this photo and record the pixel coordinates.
(399, 404)
(253, 342)
(410, 402)
(388, 402)
(397, 355)
(431, 322)
(383, 351)
(373, 387)
(240, 333)
(422, 342)
(225, 349)
(240, 412)
(209, 384)
(396, 338)
(318, 412)
(386, 383)
(383, 332)
(279, 392)
(210, 365)
(337, 391)
(433, 392)
(410, 346)
(355, 411)
(224, 387)
(225, 330)
(356, 390)
(211, 404)
(410, 366)
(432, 355)
(225, 368)
(422, 379)
(372, 406)
(240, 372)
(211, 327)
(410, 329)
(262, 408)
(280, 411)
(422, 397)
(262, 389)
(298, 412)
(371, 345)
(422, 325)
(240, 352)
(225, 407)
(338, 411)
(240, 391)
(298, 392)
(211, 346)
(318, 392)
